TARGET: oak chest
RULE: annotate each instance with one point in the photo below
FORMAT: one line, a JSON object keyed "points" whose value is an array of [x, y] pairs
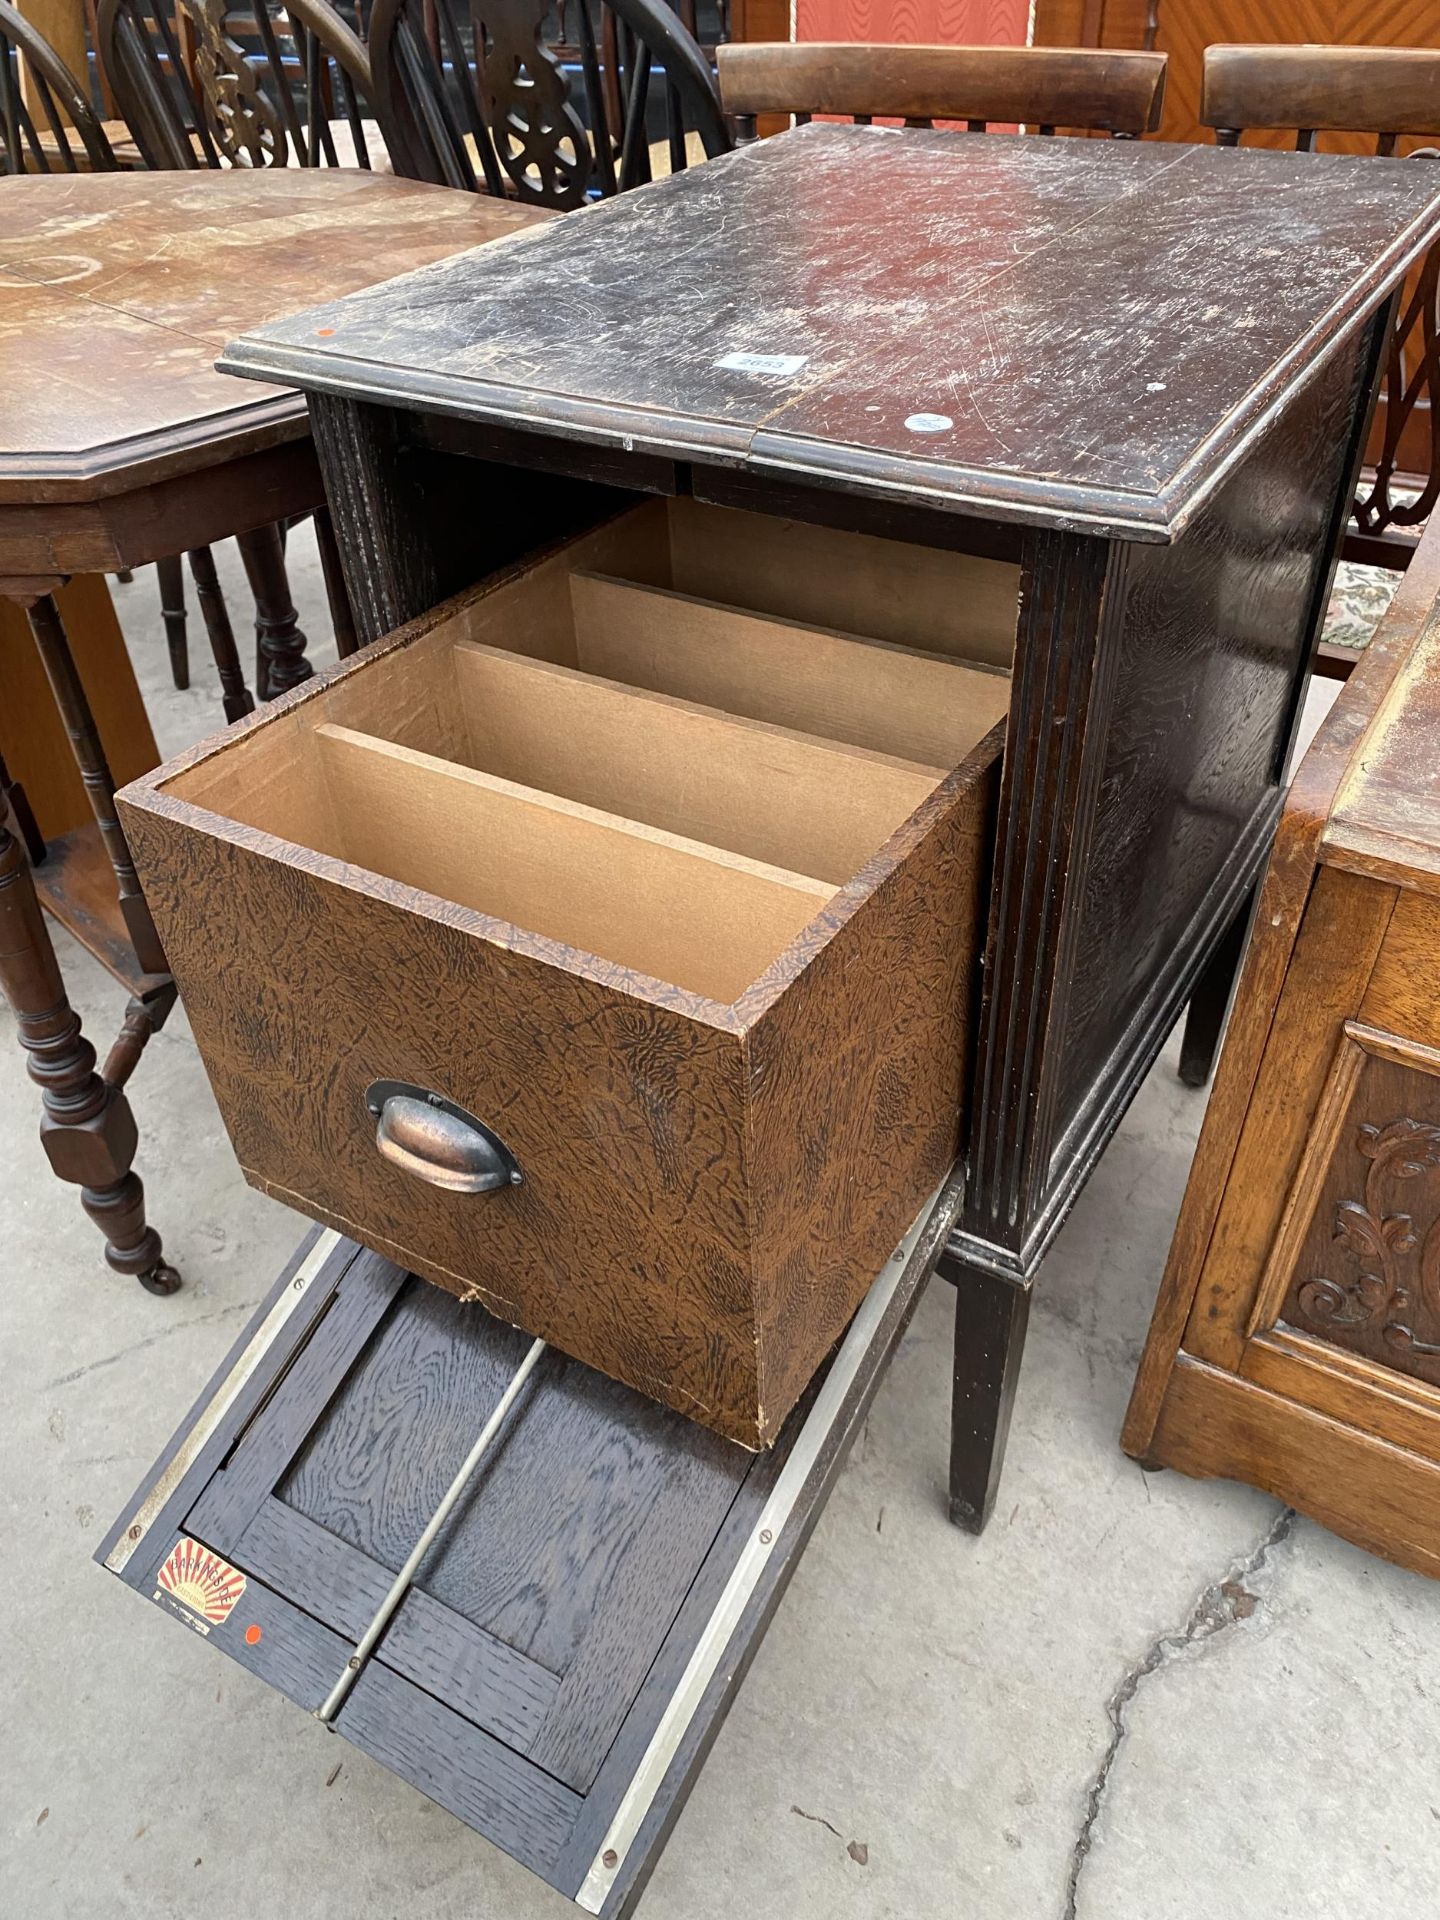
{"points": [[1296, 1341]]}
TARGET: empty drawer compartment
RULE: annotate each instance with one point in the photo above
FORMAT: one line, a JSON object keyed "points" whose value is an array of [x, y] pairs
{"points": [[602, 950]]}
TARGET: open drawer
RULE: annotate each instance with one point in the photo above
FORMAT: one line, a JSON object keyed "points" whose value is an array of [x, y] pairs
{"points": [[603, 945], [572, 1639]]}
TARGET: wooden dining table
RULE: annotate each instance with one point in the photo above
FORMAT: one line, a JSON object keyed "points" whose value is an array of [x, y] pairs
{"points": [[120, 445]]}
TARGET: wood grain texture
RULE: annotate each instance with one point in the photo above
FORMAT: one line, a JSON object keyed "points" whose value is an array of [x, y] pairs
{"points": [[612, 1526], [204, 502], [919, 588], [662, 1135], [165, 1480], [298, 1655], [1187, 31], [573, 1574], [1385, 813], [1059, 715], [1295, 1342], [1349, 734], [1372, 1398], [1161, 353], [632, 1871], [1331, 88], [478, 1675], [1339, 940], [1221, 623], [1364, 1273], [235, 1493], [1398, 998], [858, 1076], [474, 1776], [147, 275], [1380, 1496], [1080, 87], [542, 1603]]}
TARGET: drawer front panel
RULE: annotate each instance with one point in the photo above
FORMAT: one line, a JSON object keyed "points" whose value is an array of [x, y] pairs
{"points": [[625, 1117], [636, 1241]]}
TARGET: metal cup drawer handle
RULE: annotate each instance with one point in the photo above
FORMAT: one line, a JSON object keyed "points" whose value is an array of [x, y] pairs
{"points": [[426, 1135]]}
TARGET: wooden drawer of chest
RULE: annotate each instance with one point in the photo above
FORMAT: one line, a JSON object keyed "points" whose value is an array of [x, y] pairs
{"points": [[603, 945]]}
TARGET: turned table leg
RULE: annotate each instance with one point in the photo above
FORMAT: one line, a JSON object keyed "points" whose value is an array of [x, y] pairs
{"points": [[88, 1131], [237, 698], [74, 708], [281, 643]]}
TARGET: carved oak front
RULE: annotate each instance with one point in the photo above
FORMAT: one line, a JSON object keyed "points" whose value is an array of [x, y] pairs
{"points": [[1367, 1274]]}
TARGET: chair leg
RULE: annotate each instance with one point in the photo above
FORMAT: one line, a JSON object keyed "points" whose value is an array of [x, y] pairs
{"points": [[991, 1315], [237, 698], [280, 658], [88, 1131], [171, 575], [1210, 1001], [74, 708]]}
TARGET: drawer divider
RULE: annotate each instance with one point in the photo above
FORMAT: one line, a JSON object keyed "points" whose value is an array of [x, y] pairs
{"points": [[925, 707], [691, 915], [787, 798]]}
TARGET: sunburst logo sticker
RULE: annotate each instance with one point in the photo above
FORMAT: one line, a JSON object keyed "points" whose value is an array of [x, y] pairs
{"points": [[202, 1581]]}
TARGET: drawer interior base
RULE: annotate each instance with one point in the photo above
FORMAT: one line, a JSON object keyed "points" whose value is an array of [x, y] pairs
{"points": [[575, 1633]]}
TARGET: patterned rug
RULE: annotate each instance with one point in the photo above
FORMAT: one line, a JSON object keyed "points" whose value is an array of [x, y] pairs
{"points": [[1358, 603]]}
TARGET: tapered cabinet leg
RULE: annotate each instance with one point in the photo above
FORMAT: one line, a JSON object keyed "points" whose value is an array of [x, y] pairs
{"points": [[281, 644], [73, 705], [171, 574], [236, 696], [88, 1130], [342, 616], [1210, 1002], [991, 1315]]}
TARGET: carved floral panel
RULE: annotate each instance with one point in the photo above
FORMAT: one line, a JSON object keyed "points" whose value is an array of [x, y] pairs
{"points": [[1367, 1276]]}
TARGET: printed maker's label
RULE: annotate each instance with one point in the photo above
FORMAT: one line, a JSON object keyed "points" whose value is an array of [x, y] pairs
{"points": [[201, 1581]]}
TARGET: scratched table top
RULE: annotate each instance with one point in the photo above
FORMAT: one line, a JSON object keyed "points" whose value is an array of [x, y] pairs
{"points": [[117, 291], [1060, 331]]}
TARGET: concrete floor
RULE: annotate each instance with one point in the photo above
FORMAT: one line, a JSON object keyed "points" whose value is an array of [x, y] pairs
{"points": [[1065, 1718]]}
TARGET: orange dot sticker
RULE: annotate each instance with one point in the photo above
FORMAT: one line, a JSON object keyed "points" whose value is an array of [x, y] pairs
{"points": [[252, 1635], [323, 333]]}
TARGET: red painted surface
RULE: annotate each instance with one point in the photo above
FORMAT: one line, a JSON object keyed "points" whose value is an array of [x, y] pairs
{"points": [[953, 23]]}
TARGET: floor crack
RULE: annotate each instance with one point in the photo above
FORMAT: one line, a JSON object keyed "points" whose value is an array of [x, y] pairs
{"points": [[1218, 1607]]}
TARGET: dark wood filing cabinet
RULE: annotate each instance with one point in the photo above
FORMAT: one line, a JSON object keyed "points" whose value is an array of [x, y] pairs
{"points": [[840, 619]]}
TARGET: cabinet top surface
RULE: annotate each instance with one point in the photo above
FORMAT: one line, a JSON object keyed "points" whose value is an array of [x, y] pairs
{"points": [[1059, 331]]}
